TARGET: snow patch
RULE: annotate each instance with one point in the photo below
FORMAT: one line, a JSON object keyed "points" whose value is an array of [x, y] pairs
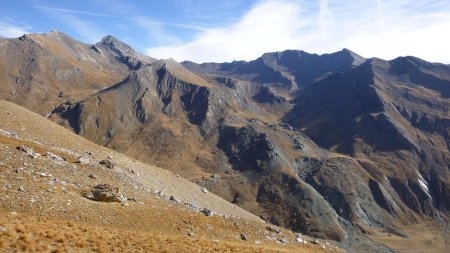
{"points": [[424, 185]]}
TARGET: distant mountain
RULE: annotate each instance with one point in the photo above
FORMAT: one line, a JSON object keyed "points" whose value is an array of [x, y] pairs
{"points": [[44, 70], [289, 69], [333, 145]]}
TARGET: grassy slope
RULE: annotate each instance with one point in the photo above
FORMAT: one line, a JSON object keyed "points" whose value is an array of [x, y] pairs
{"points": [[52, 215]]}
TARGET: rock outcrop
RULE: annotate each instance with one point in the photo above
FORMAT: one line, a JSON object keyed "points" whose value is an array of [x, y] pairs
{"points": [[106, 193]]}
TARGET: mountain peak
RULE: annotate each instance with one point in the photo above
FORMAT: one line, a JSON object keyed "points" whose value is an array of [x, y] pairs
{"points": [[115, 44], [55, 32], [357, 59], [111, 40], [52, 34], [123, 52]]}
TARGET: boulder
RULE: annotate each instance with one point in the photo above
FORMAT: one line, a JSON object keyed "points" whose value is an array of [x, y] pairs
{"points": [[28, 151], [108, 163], [83, 160], [53, 156], [106, 193]]}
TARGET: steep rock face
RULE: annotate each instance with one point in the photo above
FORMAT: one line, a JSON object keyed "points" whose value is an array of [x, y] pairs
{"points": [[320, 106], [249, 150]]}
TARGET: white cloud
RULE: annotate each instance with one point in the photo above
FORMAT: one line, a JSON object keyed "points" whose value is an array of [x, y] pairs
{"points": [[408, 27], [8, 29], [268, 26]]}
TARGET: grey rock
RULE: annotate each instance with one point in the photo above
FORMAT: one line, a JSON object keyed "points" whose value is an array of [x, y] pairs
{"points": [[273, 229], [207, 212], [106, 193], [284, 240], [9, 133], [83, 160], [28, 151], [300, 240], [108, 163], [244, 237], [53, 156], [216, 176], [314, 241], [174, 199]]}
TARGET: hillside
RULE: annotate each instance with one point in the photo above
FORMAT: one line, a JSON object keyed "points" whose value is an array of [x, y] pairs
{"points": [[43, 208]]}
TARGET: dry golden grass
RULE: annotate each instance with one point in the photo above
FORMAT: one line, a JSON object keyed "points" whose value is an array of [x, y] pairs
{"points": [[12, 142], [37, 234]]}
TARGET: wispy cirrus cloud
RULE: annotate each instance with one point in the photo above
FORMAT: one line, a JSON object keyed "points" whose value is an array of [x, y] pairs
{"points": [[152, 30], [88, 30], [138, 18], [381, 28]]}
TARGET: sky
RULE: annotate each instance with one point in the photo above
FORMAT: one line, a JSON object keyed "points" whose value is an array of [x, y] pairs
{"points": [[227, 30]]}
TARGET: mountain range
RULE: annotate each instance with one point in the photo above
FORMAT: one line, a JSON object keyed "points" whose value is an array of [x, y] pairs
{"points": [[335, 146]]}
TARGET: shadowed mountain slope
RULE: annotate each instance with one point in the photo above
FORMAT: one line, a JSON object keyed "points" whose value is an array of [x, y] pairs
{"points": [[393, 113], [288, 69]]}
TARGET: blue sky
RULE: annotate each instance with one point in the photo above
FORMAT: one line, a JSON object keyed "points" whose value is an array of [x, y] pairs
{"points": [[209, 30]]}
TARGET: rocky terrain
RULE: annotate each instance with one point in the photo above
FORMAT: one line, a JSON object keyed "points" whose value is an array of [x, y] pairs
{"points": [[334, 146], [61, 192]]}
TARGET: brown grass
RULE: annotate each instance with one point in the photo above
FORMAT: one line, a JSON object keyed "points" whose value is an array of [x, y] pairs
{"points": [[33, 234], [36, 147], [423, 237]]}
